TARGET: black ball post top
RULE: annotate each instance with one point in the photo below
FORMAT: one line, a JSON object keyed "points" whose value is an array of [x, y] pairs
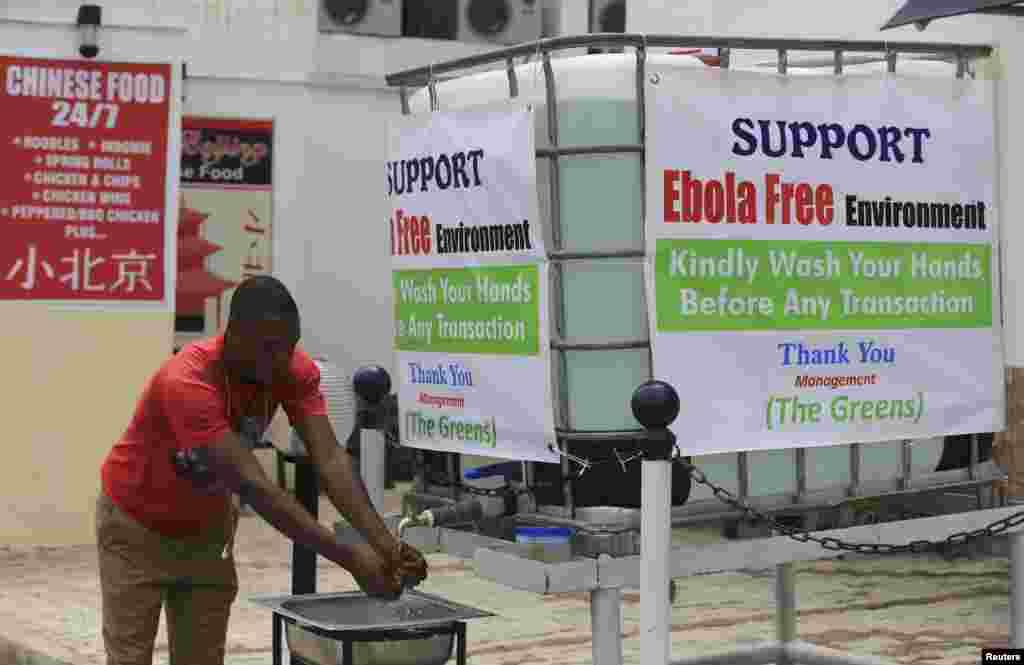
{"points": [[656, 405], [372, 383]]}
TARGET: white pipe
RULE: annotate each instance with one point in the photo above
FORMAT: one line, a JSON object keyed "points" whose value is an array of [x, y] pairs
{"points": [[810, 654], [785, 609], [373, 466], [606, 626], [655, 544], [763, 654], [785, 603]]}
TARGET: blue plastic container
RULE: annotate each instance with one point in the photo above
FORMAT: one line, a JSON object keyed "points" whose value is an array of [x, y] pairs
{"points": [[507, 470], [549, 544], [543, 535]]}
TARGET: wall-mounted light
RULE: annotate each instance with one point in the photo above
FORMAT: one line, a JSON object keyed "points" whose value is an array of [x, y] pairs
{"points": [[89, 19]]}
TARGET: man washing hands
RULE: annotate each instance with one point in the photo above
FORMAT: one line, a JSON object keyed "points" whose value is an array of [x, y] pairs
{"points": [[165, 520]]}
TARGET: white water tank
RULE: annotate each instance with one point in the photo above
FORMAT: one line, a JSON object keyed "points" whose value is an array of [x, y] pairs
{"points": [[600, 209]]}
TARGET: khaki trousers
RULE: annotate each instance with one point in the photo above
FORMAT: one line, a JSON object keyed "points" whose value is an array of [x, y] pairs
{"points": [[142, 572]]}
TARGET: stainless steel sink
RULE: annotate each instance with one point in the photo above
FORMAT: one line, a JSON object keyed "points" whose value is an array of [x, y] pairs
{"points": [[346, 616], [355, 611]]}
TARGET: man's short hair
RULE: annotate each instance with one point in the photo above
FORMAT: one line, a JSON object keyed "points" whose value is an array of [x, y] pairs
{"points": [[263, 297]]}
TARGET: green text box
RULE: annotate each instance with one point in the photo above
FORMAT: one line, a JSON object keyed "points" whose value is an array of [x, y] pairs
{"points": [[825, 285], [486, 310]]}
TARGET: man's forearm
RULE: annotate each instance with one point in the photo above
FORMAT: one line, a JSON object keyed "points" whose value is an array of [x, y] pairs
{"points": [[287, 515], [347, 492], [239, 469]]}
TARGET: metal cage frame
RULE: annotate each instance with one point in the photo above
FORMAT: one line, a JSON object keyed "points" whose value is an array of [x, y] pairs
{"points": [[409, 81]]}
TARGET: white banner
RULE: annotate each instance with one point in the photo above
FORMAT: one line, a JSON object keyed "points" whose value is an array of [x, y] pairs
{"points": [[822, 258], [470, 285]]}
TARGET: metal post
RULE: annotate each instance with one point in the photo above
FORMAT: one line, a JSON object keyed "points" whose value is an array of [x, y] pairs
{"points": [[906, 463], [972, 466], [432, 92], [743, 474], [655, 405], [373, 466], [785, 603], [513, 82], [460, 648], [275, 640], [403, 96], [855, 455], [641, 115], [372, 384], [606, 626], [1017, 590], [655, 546], [307, 491], [801, 475], [421, 471], [454, 475], [554, 181]]}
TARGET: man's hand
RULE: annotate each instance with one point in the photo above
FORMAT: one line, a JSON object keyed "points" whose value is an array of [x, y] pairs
{"points": [[374, 574], [410, 564]]}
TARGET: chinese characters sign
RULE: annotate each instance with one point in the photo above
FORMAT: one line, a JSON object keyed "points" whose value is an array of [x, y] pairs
{"points": [[84, 190]]}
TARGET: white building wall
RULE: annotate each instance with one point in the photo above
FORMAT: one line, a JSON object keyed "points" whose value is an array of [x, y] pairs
{"points": [[327, 95], [265, 58]]}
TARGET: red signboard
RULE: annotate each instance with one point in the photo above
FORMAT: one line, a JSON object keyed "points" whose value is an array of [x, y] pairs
{"points": [[83, 188]]}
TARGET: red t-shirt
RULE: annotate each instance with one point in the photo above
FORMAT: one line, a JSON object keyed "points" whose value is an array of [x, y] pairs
{"points": [[185, 405]]}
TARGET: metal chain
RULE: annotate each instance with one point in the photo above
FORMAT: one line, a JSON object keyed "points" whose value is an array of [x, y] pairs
{"points": [[946, 546]]}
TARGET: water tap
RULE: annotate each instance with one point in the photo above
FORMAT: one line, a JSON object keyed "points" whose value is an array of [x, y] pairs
{"points": [[467, 510], [426, 518]]}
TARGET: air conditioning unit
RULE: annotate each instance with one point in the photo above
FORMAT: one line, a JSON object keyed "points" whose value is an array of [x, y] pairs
{"points": [[607, 16], [431, 19], [381, 18], [499, 21]]}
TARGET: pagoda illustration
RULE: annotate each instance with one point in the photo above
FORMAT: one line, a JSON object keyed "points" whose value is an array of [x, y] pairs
{"points": [[252, 264], [195, 282]]}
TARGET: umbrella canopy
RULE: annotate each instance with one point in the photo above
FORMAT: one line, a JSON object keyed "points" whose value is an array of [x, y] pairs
{"points": [[922, 11]]}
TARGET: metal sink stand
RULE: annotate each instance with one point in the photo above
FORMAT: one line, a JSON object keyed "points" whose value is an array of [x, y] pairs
{"points": [[348, 638], [371, 385], [307, 492]]}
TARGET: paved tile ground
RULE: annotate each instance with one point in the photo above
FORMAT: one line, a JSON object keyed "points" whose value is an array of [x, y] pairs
{"points": [[910, 610]]}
